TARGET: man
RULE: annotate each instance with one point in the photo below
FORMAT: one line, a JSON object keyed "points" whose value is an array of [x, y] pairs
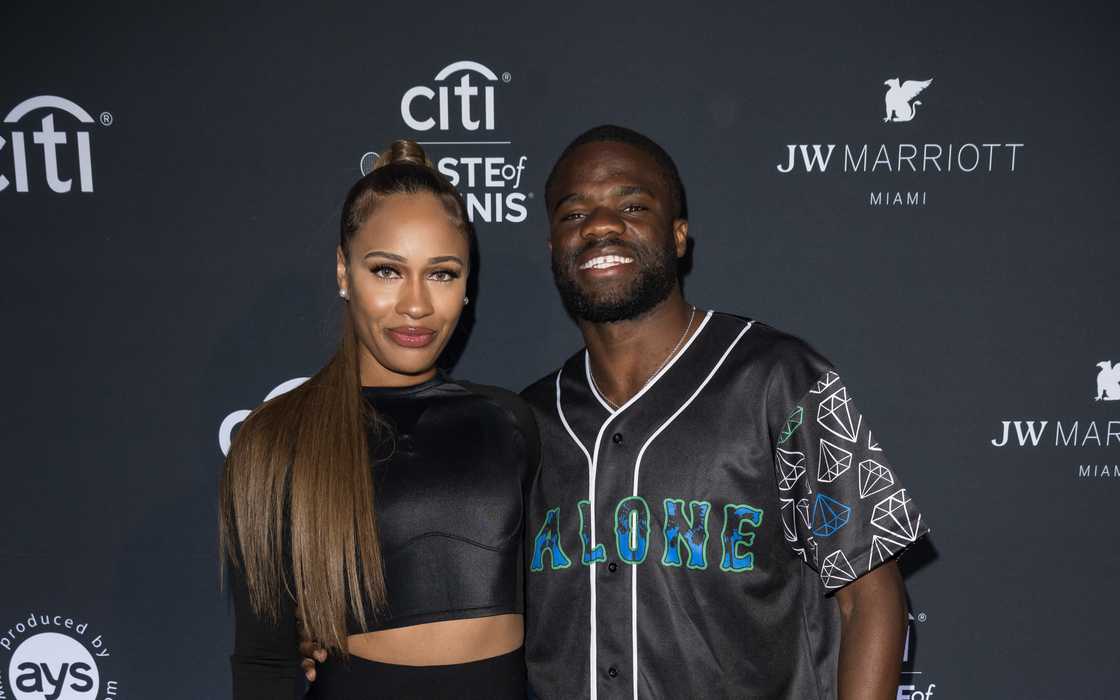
{"points": [[693, 464]]}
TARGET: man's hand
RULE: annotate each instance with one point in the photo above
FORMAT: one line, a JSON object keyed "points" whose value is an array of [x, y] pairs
{"points": [[311, 653]]}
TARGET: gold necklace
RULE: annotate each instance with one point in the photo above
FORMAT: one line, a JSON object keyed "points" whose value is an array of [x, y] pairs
{"points": [[687, 327]]}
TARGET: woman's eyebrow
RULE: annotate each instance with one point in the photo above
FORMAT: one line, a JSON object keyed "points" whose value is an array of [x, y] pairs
{"points": [[383, 254]]}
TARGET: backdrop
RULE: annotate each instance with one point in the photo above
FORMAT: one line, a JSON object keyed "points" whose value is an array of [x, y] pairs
{"points": [[170, 180]]}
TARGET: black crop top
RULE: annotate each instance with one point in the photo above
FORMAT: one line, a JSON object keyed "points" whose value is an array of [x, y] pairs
{"points": [[449, 485]]}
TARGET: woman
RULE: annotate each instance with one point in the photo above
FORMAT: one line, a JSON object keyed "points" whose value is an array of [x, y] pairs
{"points": [[381, 499]]}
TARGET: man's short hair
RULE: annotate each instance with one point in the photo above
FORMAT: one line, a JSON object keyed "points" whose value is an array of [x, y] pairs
{"points": [[612, 133]]}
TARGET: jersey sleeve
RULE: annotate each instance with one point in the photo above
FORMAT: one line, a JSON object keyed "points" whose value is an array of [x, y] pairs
{"points": [[265, 661], [844, 510]]}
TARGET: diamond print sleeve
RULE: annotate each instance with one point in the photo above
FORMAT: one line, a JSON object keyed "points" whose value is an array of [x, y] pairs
{"points": [[843, 509]]}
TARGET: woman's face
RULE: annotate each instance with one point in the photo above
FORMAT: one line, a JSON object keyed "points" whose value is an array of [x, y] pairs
{"points": [[406, 281]]}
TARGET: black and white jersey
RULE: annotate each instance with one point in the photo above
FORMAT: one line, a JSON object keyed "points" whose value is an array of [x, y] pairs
{"points": [[684, 545]]}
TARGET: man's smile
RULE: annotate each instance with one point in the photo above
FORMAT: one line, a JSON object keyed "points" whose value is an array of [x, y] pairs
{"points": [[605, 262]]}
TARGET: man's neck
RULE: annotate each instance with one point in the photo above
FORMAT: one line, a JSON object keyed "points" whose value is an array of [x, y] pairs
{"points": [[626, 354]]}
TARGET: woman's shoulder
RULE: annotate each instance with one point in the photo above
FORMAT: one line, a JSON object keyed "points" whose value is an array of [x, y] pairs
{"points": [[518, 411], [501, 398]]}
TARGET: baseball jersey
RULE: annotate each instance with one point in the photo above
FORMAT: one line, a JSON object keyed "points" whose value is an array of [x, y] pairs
{"points": [[685, 544]]}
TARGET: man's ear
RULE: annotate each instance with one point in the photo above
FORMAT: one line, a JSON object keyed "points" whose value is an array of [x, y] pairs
{"points": [[680, 236], [340, 271]]}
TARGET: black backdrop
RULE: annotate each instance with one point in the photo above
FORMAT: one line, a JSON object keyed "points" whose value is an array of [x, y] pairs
{"points": [[188, 271]]}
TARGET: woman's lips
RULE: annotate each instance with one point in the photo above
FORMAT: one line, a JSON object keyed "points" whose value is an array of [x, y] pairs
{"points": [[411, 336]]}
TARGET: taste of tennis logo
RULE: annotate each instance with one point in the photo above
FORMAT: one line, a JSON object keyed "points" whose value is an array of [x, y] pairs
{"points": [[911, 685], [54, 657], [893, 163], [456, 120]]}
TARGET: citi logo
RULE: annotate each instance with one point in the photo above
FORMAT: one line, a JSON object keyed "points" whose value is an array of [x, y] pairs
{"points": [[51, 142], [471, 105], [901, 105]]}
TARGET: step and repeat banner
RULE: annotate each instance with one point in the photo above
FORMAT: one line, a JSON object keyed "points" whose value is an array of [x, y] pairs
{"points": [[925, 193]]}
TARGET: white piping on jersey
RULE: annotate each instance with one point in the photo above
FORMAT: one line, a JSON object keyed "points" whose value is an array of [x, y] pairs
{"points": [[637, 468], [591, 491], [591, 384], [592, 465]]}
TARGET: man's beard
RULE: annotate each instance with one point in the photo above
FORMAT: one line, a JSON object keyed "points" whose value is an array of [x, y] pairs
{"points": [[654, 282]]}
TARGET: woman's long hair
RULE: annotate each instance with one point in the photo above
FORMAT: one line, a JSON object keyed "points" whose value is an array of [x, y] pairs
{"points": [[298, 483]]}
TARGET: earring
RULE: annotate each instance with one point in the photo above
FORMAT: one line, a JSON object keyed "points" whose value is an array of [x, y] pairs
{"points": [[342, 293], [466, 300]]}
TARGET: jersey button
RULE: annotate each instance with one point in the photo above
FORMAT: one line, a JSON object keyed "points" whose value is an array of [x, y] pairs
{"points": [[617, 438], [612, 567], [612, 672]]}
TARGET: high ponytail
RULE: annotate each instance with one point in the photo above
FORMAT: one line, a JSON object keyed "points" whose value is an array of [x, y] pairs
{"points": [[298, 486], [403, 151], [402, 168]]}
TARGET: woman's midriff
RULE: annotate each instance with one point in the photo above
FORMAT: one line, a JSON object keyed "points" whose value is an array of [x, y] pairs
{"points": [[440, 643]]}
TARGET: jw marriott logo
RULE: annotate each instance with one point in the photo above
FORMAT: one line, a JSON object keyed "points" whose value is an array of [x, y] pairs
{"points": [[901, 160], [1065, 433]]}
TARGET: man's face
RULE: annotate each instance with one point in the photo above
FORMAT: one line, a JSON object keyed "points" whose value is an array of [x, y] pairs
{"points": [[614, 237]]}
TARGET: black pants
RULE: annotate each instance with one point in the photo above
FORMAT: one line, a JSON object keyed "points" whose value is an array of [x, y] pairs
{"points": [[498, 678]]}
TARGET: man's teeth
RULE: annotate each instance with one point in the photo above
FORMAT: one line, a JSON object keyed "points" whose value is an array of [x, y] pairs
{"points": [[604, 261]]}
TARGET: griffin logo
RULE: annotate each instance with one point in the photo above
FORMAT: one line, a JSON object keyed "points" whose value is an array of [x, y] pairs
{"points": [[901, 105], [1108, 381]]}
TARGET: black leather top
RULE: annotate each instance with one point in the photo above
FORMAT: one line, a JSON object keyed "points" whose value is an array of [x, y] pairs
{"points": [[450, 487]]}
